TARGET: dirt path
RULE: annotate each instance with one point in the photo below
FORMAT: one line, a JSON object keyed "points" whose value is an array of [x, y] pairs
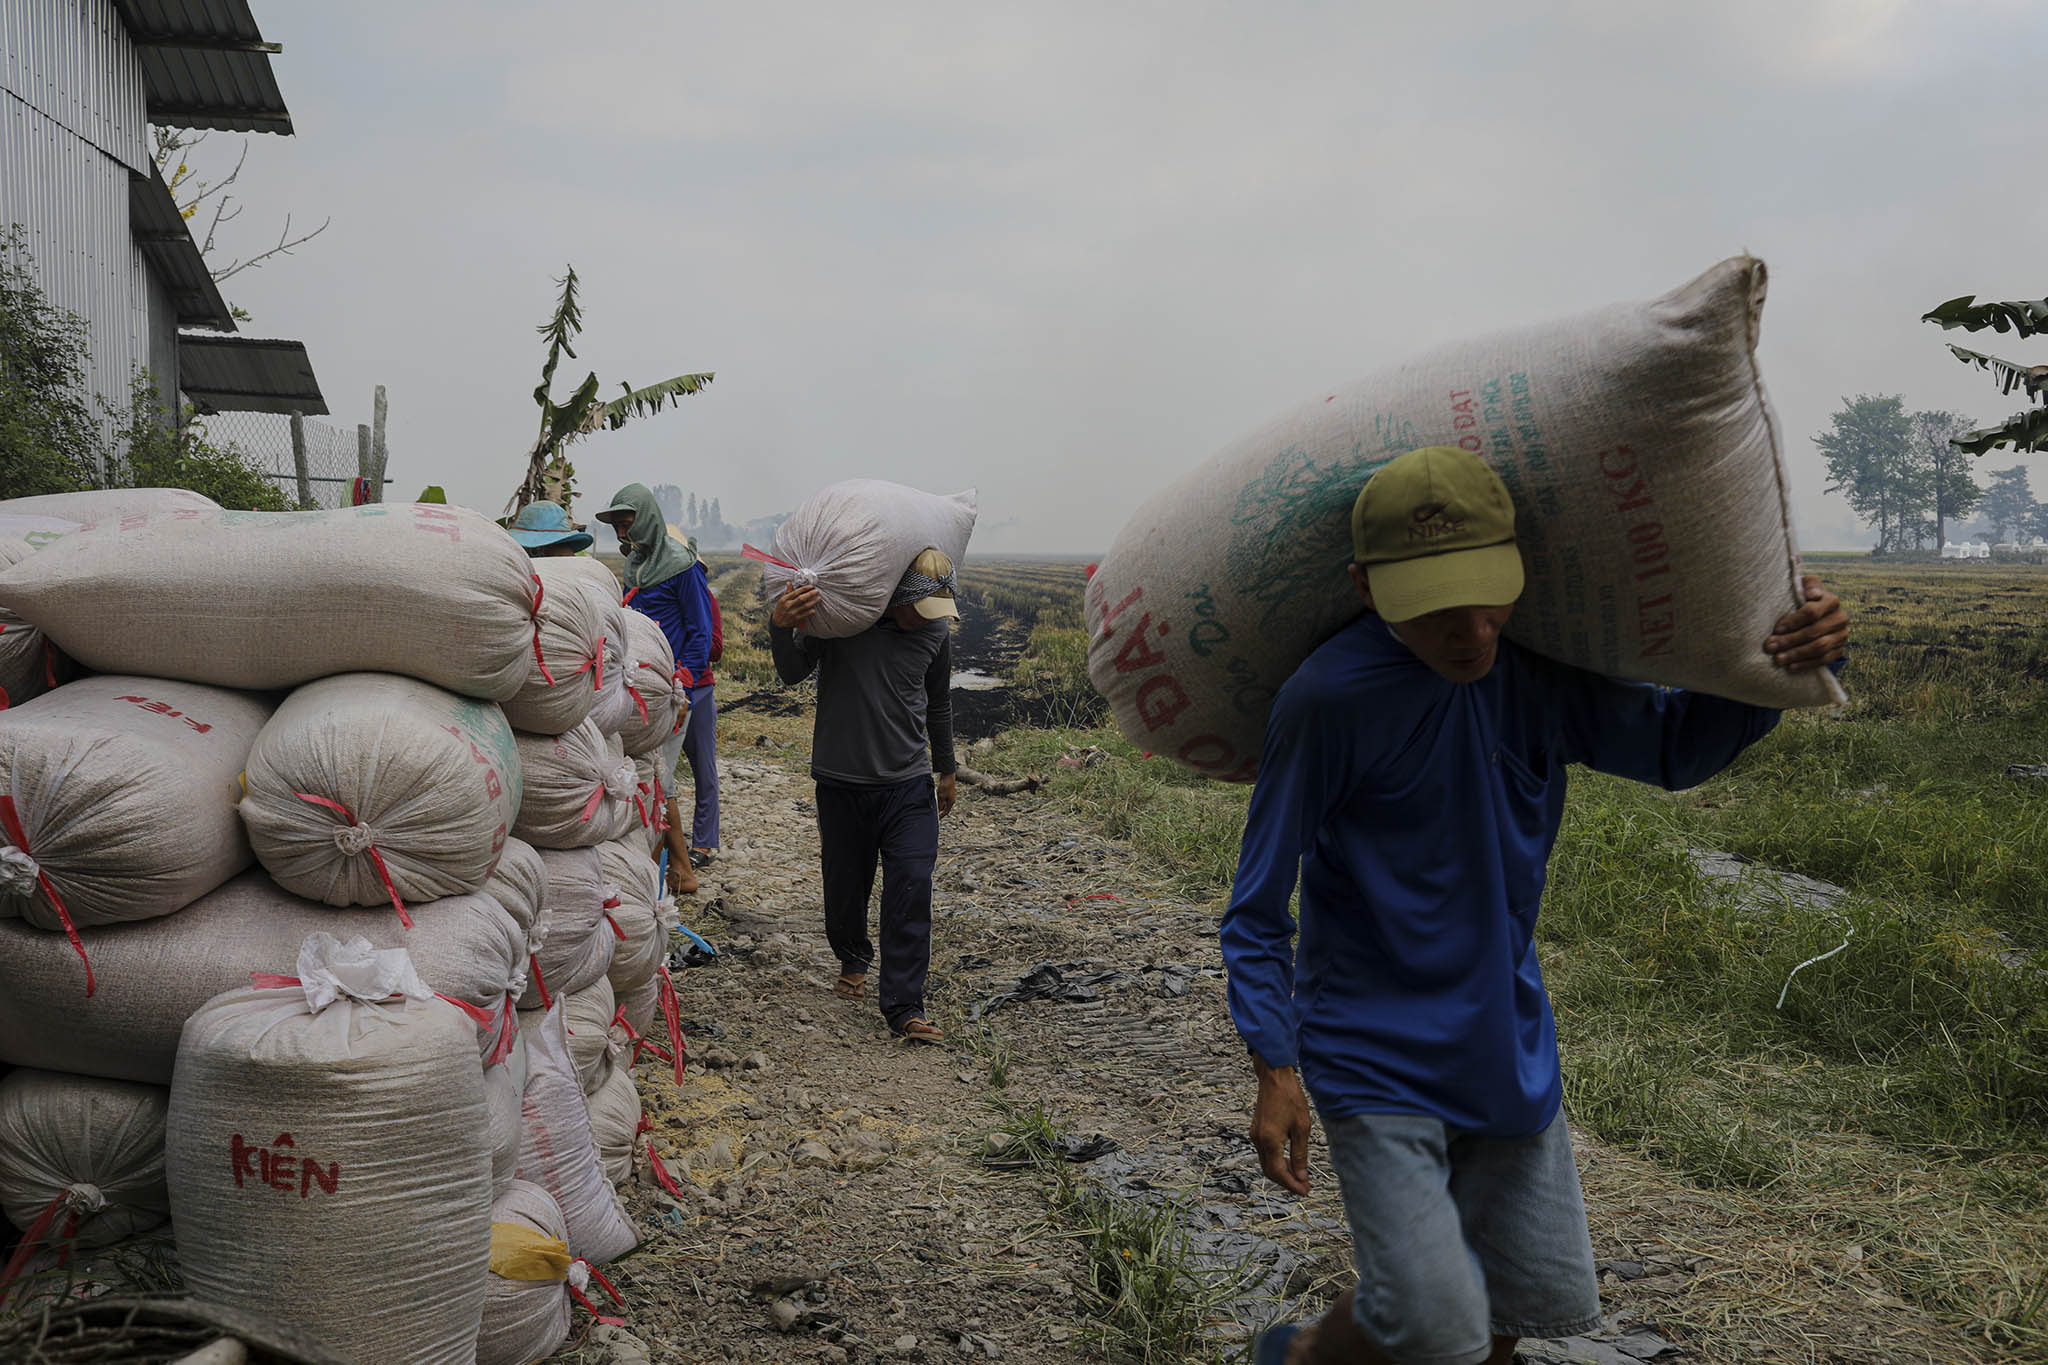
{"points": [[836, 1181]]}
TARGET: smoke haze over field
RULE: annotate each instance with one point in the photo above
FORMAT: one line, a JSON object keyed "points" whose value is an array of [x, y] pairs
{"points": [[1062, 251]]}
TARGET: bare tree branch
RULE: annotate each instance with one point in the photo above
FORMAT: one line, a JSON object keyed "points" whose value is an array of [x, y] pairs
{"points": [[285, 243]]}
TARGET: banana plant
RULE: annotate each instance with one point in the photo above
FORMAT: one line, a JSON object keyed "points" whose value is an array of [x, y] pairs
{"points": [[2025, 431], [549, 474]]}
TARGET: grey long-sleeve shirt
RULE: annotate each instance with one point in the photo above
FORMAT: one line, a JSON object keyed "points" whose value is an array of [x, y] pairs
{"points": [[882, 695]]}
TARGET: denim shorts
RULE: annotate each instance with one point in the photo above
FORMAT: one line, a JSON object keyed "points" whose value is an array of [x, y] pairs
{"points": [[1461, 1239]]}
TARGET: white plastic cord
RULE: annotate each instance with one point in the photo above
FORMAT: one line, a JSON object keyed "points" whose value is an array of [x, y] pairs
{"points": [[1848, 932]]}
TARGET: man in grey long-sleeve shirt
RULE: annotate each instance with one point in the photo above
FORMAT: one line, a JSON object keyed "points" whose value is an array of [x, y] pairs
{"points": [[883, 695]]}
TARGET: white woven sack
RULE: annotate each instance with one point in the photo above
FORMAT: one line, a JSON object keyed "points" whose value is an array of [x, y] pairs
{"points": [[95, 505], [1650, 501], [579, 943], [638, 954], [275, 599], [154, 973], [329, 1157], [123, 790], [369, 786], [641, 1004], [651, 815], [615, 1122], [613, 707], [84, 1156], [587, 1015], [569, 626], [575, 793], [855, 540], [658, 702], [519, 884], [592, 571], [504, 1086], [29, 664], [557, 1154], [525, 1319]]}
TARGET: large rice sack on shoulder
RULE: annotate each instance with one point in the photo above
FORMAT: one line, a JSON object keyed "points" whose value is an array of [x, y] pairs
{"points": [[557, 1154], [577, 948], [81, 1158], [29, 664], [575, 792], [153, 974], [855, 540], [371, 788], [117, 798], [526, 1308], [275, 599], [569, 629], [615, 1122], [519, 884], [1651, 507], [657, 701], [92, 506], [329, 1156]]}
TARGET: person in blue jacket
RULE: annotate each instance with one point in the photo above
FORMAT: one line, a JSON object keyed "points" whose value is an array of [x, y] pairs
{"points": [[665, 581], [1414, 773]]}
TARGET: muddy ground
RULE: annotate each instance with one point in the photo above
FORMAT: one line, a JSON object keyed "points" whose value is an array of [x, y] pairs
{"points": [[838, 1200]]}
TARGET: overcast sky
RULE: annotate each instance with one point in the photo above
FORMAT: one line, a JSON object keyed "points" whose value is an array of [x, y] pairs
{"points": [[1062, 252]]}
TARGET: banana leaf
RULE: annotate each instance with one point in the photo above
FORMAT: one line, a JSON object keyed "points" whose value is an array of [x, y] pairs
{"points": [[2023, 318]]}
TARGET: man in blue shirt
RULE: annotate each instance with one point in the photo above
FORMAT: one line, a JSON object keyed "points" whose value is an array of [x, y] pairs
{"points": [[1414, 773]]}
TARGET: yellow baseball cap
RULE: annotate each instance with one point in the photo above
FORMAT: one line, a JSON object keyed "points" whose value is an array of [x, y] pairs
{"points": [[1433, 529], [929, 586]]}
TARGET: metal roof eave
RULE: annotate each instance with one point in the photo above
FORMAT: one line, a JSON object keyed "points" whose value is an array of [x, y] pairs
{"points": [[247, 374], [205, 65], [161, 234]]}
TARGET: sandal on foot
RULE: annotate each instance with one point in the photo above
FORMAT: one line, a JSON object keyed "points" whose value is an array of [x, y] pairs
{"points": [[851, 986], [700, 857], [919, 1029]]}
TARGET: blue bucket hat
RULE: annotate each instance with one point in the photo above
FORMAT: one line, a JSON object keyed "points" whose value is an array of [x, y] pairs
{"points": [[541, 524]]}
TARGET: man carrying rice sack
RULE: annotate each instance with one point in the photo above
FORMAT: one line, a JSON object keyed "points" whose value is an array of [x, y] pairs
{"points": [[882, 695], [1414, 772], [665, 581]]}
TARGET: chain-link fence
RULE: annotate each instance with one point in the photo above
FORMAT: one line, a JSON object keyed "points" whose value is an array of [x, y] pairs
{"points": [[334, 455]]}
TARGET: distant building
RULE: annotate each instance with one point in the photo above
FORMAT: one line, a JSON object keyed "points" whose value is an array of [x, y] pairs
{"points": [[84, 80], [1972, 549]]}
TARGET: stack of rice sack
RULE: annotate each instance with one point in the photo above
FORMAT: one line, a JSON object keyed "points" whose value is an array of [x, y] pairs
{"points": [[320, 693]]}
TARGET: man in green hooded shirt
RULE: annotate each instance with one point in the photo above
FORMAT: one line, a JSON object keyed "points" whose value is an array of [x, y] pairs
{"points": [[665, 581]]}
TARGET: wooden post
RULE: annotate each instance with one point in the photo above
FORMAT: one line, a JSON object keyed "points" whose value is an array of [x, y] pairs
{"points": [[378, 451], [299, 465]]}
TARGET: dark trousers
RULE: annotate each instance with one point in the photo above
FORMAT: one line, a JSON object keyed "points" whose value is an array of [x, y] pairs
{"points": [[899, 823]]}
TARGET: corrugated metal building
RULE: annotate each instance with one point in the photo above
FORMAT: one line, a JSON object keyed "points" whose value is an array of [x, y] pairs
{"points": [[80, 83]]}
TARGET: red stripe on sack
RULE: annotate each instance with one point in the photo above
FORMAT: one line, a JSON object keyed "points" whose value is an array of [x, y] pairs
{"points": [[675, 1027], [751, 553], [640, 702], [533, 960], [540, 591], [627, 600], [271, 981], [615, 925], [480, 1016], [661, 1175], [590, 806], [640, 1042], [376, 856], [508, 1035], [10, 823], [641, 806], [38, 1232]]}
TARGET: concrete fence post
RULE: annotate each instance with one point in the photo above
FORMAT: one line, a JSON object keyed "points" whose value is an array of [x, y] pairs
{"points": [[299, 463]]}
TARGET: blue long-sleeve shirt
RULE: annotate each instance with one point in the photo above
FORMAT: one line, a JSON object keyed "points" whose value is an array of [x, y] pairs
{"points": [[681, 606], [1421, 814]]}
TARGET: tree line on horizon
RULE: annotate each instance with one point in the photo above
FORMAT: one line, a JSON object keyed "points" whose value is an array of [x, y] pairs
{"points": [[1908, 476]]}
